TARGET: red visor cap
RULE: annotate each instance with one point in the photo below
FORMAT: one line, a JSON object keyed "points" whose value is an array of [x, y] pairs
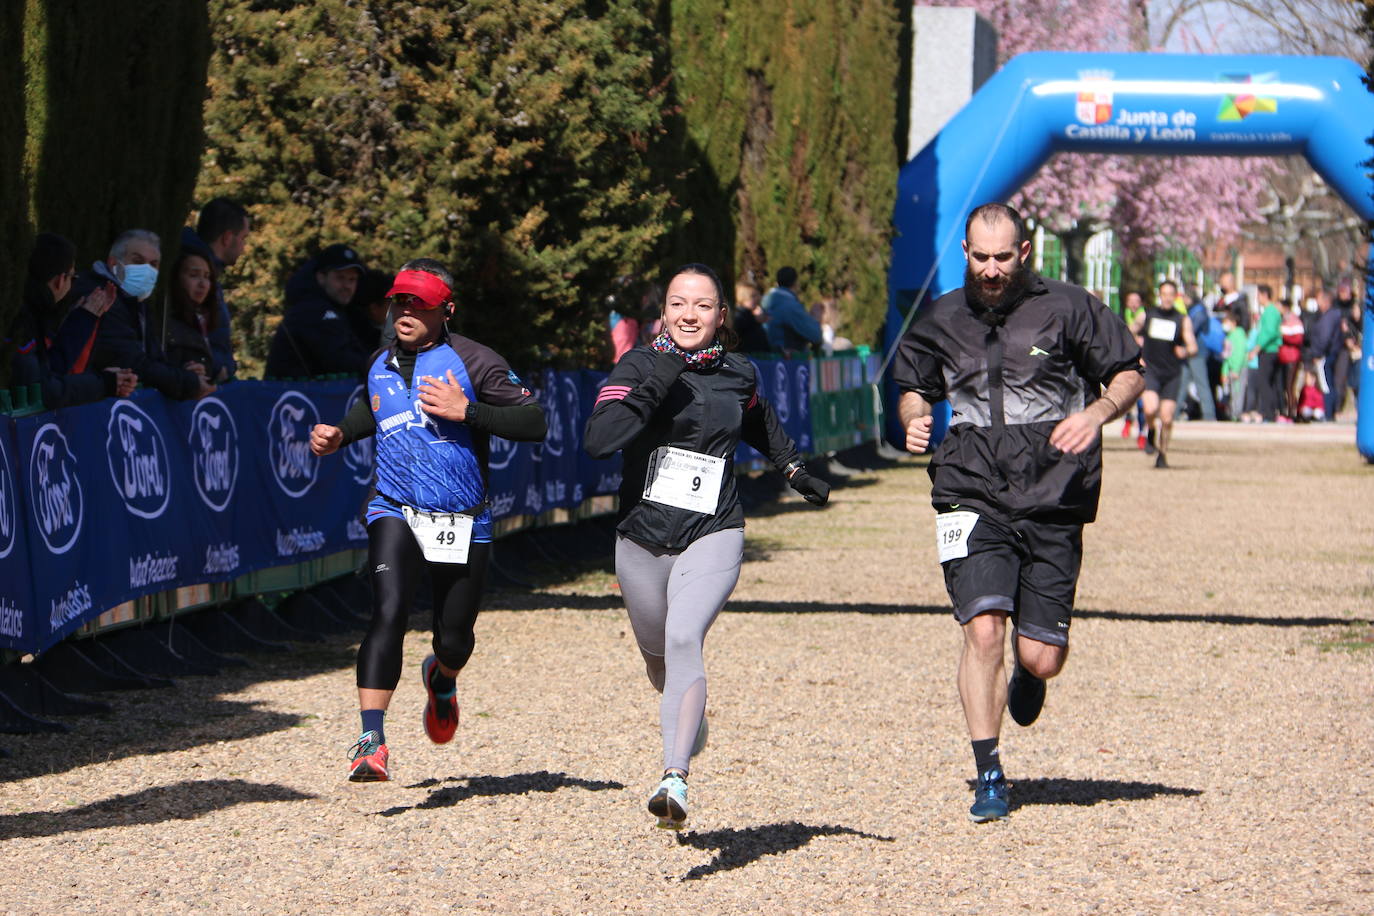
{"points": [[428, 288]]}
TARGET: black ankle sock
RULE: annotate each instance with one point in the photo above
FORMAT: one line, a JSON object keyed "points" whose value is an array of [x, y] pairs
{"points": [[374, 721], [442, 686], [985, 755]]}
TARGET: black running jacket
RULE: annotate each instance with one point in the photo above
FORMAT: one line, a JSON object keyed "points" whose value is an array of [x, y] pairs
{"points": [[1008, 387], [650, 401]]}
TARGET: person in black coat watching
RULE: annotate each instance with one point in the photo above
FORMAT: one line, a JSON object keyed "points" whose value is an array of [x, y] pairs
{"points": [[56, 355], [127, 336], [316, 335]]}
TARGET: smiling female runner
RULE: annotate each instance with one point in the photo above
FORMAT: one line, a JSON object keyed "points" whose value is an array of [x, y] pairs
{"points": [[678, 409]]}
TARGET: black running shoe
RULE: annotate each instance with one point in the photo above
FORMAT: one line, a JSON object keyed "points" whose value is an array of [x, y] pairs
{"points": [[1150, 442], [1025, 696], [1160, 462]]}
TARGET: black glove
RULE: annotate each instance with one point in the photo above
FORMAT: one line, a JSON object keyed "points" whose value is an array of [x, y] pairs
{"points": [[813, 489]]}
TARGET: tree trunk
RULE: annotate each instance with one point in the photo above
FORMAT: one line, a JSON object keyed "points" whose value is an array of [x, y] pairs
{"points": [[1137, 277], [1075, 254]]}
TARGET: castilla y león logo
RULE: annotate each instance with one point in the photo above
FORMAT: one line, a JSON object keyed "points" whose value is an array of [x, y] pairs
{"points": [[1094, 104], [294, 467], [1239, 105]]}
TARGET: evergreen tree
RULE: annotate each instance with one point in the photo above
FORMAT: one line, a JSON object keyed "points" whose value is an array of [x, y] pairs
{"points": [[513, 142], [14, 203], [791, 105], [107, 134]]}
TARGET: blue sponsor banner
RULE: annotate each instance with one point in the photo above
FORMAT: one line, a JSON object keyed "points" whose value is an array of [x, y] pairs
{"points": [[129, 497], [16, 582], [106, 502], [786, 384]]}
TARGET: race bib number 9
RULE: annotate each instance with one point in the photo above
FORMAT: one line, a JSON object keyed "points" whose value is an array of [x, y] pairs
{"points": [[1161, 329], [952, 530], [687, 480], [444, 537]]}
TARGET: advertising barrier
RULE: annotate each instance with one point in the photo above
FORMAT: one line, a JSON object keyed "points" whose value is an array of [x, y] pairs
{"points": [[108, 502]]}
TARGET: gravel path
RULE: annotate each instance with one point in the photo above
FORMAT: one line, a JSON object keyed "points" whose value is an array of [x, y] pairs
{"points": [[1205, 751]]}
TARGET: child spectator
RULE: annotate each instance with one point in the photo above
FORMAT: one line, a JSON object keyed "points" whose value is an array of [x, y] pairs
{"points": [[1311, 403], [1233, 365]]}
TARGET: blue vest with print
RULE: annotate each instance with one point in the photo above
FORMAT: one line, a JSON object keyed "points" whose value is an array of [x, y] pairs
{"points": [[422, 460]]}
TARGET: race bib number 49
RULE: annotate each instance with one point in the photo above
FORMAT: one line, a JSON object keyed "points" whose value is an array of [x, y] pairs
{"points": [[952, 530], [444, 537], [687, 480]]}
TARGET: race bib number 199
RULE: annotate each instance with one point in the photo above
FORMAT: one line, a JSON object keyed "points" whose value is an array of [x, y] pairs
{"points": [[687, 480], [952, 530], [444, 537]]}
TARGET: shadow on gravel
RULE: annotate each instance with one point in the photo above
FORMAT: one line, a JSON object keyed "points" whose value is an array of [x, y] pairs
{"points": [[144, 723], [487, 786], [740, 847], [1230, 620], [182, 801], [529, 601], [1085, 792], [512, 600]]}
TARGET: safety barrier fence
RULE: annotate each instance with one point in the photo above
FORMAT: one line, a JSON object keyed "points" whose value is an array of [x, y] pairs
{"points": [[135, 510]]}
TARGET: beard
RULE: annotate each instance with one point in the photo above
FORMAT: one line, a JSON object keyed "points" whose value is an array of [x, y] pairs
{"points": [[993, 303]]}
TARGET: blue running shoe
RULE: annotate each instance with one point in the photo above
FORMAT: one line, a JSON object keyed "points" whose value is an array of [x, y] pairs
{"points": [[669, 802], [990, 798]]}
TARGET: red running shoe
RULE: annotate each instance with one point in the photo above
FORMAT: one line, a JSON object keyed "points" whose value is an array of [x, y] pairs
{"points": [[367, 759], [441, 715], [1126, 430], [1140, 443]]}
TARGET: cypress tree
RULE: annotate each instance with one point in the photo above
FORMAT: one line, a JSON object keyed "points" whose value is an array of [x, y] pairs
{"points": [[106, 127], [14, 223], [792, 105], [114, 117], [514, 142]]}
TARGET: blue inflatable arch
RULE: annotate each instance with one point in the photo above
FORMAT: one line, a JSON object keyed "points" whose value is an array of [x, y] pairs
{"points": [[1142, 104]]}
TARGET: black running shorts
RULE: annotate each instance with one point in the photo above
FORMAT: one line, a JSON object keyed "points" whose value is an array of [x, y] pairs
{"points": [[1162, 384], [1028, 568]]}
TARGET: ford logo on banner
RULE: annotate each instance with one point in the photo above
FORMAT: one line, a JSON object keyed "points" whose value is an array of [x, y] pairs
{"points": [[358, 457], [138, 460], [9, 506], [502, 451], [288, 443], [781, 405], [57, 501], [214, 441]]}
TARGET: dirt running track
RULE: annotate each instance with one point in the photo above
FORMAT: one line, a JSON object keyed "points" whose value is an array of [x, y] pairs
{"points": [[1207, 749]]}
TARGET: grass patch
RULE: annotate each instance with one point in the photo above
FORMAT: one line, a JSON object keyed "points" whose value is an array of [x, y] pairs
{"points": [[1359, 637]]}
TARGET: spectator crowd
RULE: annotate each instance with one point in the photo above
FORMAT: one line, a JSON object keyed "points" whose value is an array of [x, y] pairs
{"points": [[82, 335], [1260, 359]]}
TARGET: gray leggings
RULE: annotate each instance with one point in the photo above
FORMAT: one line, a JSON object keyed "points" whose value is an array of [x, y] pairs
{"points": [[673, 597]]}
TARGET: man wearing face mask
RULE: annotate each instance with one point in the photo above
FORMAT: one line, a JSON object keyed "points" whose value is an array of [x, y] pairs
{"points": [[127, 338]]}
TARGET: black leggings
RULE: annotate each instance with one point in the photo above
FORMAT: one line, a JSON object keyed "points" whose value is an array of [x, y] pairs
{"points": [[396, 562]]}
